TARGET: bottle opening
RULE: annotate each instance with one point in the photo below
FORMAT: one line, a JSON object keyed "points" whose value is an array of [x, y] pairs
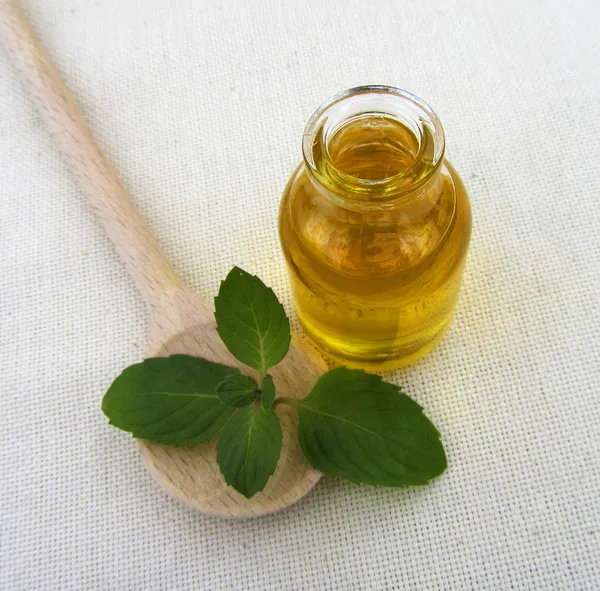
{"points": [[373, 143], [372, 147]]}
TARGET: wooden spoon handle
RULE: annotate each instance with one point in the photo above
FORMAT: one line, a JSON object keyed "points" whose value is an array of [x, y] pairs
{"points": [[137, 247]]}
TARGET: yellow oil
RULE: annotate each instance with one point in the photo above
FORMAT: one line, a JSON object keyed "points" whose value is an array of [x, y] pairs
{"points": [[375, 235]]}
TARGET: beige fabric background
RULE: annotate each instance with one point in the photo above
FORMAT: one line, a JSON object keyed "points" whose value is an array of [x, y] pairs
{"points": [[201, 106]]}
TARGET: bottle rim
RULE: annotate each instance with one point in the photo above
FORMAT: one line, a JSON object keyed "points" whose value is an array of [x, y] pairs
{"points": [[394, 102]]}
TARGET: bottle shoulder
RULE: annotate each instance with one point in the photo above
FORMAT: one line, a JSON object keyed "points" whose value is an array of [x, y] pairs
{"points": [[377, 241]]}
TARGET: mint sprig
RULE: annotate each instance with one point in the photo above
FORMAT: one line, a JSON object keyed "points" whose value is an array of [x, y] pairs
{"points": [[352, 424]]}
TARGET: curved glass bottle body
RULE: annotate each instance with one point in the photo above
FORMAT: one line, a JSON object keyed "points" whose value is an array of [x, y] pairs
{"points": [[375, 228]]}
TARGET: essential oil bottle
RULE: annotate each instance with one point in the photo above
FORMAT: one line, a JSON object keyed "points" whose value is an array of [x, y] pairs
{"points": [[375, 227]]}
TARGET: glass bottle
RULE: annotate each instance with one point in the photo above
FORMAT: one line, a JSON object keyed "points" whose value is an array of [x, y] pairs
{"points": [[375, 227]]}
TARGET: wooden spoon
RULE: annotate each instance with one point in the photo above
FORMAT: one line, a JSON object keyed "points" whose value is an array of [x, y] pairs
{"points": [[181, 321]]}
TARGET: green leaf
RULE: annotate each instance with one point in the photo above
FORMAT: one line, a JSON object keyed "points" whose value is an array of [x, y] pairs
{"points": [[248, 448], [356, 426], [238, 390], [268, 391], [251, 321], [171, 400]]}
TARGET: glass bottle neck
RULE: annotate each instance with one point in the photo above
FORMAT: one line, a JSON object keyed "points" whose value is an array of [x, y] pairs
{"points": [[373, 147]]}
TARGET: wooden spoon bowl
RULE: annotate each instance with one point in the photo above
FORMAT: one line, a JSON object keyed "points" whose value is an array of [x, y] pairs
{"points": [[181, 322], [192, 473]]}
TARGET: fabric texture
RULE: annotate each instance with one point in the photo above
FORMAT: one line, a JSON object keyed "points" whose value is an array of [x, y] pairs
{"points": [[201, 106]]}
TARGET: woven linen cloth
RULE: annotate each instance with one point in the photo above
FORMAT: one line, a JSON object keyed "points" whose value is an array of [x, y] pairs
{"points": [[201, 107]]}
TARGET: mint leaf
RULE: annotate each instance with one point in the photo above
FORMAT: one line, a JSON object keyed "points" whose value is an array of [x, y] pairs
{"points": [[356, 426], [251, 321], [238, 390], [171, 400], [268, 391], [248, 448]]}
